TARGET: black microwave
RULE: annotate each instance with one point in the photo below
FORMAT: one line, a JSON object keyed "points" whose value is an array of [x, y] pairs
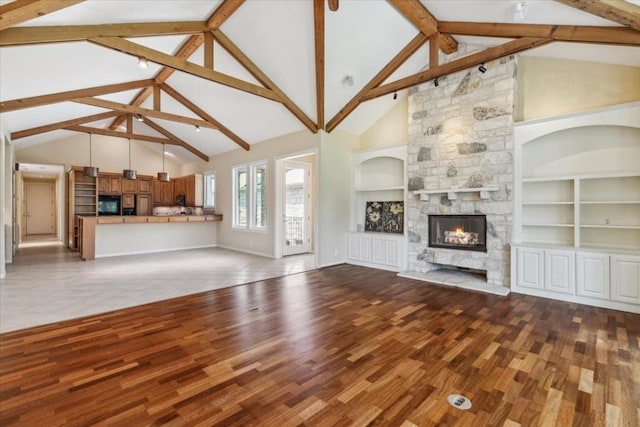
{"points": [[109, 205]]}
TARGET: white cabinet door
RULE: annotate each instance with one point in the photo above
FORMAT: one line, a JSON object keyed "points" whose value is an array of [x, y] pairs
{"points": [[560, 268], [392, 252], [364, 242], [377, 249], [353, 245], [625, 278], [530, 268], [592, 279]]}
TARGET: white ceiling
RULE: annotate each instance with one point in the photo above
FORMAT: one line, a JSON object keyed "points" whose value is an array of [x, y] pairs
{"points": [[278, 36]]}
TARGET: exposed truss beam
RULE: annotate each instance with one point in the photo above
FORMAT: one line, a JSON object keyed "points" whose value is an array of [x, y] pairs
{"points": [[388, 69], [36, 101], [108, 132], [184, 51], [217, 18], [472, 60], [318, 21], [256, 72], [223, 12], [153, 125], [130, 109], [19, 11], [622, 12], [69, 33], [424, 21], [564, 33], [203, 114], [60, 125], [135, 49]]}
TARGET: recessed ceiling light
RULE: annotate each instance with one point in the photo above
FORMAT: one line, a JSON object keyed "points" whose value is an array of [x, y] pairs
{"points": [[143, 62]]}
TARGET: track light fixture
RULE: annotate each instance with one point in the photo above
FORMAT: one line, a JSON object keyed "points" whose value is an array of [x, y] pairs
{"points": [[435, 82], [395, 95], [139, 117], [197, 128], [143, 62], [482, 68]]}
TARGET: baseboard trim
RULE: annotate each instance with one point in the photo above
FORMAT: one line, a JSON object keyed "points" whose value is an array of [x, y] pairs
{"points": [[155, 251], [231, 248]]}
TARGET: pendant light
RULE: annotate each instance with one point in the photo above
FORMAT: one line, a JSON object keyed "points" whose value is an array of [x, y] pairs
{"points": [[90, 171], [163, 176], [129, 173]]}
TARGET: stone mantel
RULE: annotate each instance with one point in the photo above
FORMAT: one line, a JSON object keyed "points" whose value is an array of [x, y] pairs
{"points": [[452, 192]]}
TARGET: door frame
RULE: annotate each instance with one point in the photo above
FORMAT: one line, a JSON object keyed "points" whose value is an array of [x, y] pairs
{"points": [[308, 205], [279, 208], [49, 183]]}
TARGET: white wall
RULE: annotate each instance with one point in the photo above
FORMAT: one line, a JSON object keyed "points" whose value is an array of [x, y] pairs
{"points": [[110, 154], [6, 174], [334, 195]]}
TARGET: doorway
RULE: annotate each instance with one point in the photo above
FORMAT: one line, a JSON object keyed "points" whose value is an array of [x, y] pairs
{"points": [[296, 212], [40, 208]]}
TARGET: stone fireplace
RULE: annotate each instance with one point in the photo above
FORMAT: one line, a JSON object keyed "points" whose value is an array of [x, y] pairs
{"points": [[461, 139]]}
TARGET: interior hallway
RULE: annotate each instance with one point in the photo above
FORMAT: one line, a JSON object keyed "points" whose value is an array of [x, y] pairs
{"points": [[48, 283]]}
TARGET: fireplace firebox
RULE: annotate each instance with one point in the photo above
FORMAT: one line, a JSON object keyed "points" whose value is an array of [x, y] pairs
{"points": [[465, 232]]}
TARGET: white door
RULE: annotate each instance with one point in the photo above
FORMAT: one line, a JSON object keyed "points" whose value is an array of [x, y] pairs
{"points": [[296, 219], [40, 207]]}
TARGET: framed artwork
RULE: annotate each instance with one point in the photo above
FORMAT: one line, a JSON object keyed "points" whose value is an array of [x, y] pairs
{"points": [[386, 217]]}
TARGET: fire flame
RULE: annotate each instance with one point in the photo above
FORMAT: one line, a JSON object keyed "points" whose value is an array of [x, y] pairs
{"points": [[459, 231]]}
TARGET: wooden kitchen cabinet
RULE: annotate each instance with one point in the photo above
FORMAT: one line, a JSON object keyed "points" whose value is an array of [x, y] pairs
{"points": [[179, 186], [163, 193], [143, 205], [128, 200], [190, 190], [144, 185], [109, 184], [129, 185]]}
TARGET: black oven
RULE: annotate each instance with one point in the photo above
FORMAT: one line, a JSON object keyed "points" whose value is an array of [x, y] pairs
{"points": [[109, 205]]}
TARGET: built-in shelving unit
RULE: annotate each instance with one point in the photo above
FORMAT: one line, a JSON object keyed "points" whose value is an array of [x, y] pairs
{"points": [[378, 175], [577, 208], [82, 201]]}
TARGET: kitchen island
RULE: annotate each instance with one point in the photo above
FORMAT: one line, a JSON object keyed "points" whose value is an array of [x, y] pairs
{"points": [[105, 236]]}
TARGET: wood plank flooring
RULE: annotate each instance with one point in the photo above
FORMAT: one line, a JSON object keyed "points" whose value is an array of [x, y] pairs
{"points": [[334, 347]]}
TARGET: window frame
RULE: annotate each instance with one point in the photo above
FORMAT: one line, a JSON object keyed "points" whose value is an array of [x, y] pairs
{"points": [[209, 201], [251, 210]]}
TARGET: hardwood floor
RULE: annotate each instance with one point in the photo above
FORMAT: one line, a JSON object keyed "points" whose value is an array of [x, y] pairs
{"points": [[339, 346]]}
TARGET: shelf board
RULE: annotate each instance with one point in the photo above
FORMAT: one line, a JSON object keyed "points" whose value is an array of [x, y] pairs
{"points": [[629, 174], [548, 225], [547, 203], [611, 202], [452, 193], [395, 187], [621, 227]]}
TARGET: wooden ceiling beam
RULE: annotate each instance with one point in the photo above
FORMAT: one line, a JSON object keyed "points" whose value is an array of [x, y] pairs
{"points": [[622, 12], [256, 72], [60, 125], [19, 11], [318, 21], [564, 33], [125, 46], [203, 114], [184, 51], [377, 80], [222, 13], [70, 33], [424, 21], [217, 18], [131, 109], [153, 125], [460, 64], [37, 101], [108, 132]]}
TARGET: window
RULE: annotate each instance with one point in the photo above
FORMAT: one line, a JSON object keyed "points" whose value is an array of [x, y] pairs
{"points": [[259, 199], [210, 189], [240, 197], [250, 196]]}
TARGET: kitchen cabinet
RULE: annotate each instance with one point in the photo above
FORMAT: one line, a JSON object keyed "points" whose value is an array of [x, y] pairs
{"points": [[191, 187], [179, 186], [143, 205], [530, 268], [592, 276], [144, 185], [625, 278], [109, 184], [128, 200], [129, 185], [163, 193]]}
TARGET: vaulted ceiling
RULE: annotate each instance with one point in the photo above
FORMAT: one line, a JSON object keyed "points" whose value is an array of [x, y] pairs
{"points": [[224, 74]]}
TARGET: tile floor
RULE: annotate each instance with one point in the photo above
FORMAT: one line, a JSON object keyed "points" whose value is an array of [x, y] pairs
{"points": [[48, 283]]}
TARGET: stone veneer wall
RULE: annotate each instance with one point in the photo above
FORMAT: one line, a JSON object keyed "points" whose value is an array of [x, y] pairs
{"points": [[461, 135]]}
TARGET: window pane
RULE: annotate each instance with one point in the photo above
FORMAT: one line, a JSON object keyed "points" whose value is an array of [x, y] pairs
{"points": [[210, 190], [240, 197], [260, 196]]}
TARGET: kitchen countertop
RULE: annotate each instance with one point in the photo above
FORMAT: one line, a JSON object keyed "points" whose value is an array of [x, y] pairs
{"points": [[155, 219]]}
